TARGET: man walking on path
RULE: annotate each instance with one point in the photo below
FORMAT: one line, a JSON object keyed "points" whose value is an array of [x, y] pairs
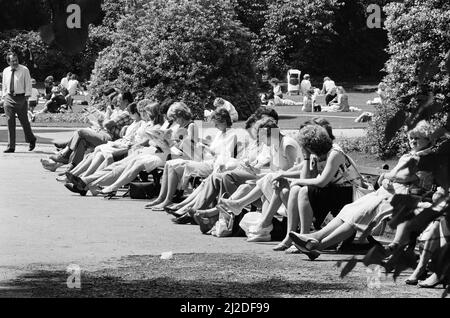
{"points": [[16, 91]]}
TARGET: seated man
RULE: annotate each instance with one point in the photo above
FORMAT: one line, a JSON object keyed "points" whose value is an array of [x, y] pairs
{"points": [[90, 138], [57, 100]]}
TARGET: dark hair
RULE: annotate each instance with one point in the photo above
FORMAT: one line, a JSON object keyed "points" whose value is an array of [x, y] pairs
{"points": [[321, 122], [274, 81], [155, 113], [183, 113], [222, 115], [9, 54], [69, 74], [165, 104], [251, 121], [132, 108], [266, 111], [316, 139], [74, 76], [128, 96], [268, 124]]}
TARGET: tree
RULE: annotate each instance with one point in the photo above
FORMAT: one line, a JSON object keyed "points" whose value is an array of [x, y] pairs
{"points": [[419, 37], [187, 50]]}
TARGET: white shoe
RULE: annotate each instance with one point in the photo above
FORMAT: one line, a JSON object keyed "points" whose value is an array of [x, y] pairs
{"points": [[259, 238]]}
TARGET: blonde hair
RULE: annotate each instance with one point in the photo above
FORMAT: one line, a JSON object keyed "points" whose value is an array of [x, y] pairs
{"points": [[340, 89], [423, 129]]}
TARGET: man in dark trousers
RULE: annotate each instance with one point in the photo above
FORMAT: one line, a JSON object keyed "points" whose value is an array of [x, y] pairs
{"points": [[16, 91]]}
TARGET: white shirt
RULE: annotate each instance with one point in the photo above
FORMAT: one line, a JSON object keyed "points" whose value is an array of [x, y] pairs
{"points": [[72, 87], [329, 85], [305, 86], [34, 94], [22, 80], [65, 83]]}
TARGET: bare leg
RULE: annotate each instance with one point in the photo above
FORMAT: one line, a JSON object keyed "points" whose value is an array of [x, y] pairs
{"points": [[164, 184], [82, 166], [272, 208], [342, 233], [239, 204], [305, 211], [132, 171], [95, 164], [172, 183], [242, 191], [293, 218]]}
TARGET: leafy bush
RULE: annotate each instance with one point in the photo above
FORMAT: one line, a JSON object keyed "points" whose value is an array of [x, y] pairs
{"points": [[187, 50], [422, 27]]}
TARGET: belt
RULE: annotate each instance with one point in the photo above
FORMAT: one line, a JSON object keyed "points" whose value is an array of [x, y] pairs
{"points": [[17, 95]]}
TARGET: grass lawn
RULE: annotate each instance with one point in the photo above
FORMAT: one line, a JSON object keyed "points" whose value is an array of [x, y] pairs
{"points": [[290, 116]]}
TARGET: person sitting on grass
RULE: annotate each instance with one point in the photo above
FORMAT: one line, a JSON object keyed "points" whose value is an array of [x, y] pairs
{"points": [[372, 208], [222, 103], [54, 105], [339, 103]]}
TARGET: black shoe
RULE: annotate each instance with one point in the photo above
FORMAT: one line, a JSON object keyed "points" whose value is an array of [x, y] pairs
{"points": [[184, 219], [9, 150], [32, 145], [74, 189], [60, 146]]}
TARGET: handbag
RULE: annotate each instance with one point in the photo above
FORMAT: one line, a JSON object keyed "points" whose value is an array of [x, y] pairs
{"points": [[360, 188], [224, 225], [144, 190]]}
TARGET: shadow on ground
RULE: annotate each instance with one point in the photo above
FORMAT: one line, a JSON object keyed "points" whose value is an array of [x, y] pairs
{"points": [[183, 276]]}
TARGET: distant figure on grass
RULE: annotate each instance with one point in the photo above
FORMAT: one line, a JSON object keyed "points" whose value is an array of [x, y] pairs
{"points": [[381, 92], [277, 92], [305, 85], [73, 87], [54, 105], [33, 100], [48, 85], [65, 81], [339, 103], [222, 103], [16, 89], [329, 89]]}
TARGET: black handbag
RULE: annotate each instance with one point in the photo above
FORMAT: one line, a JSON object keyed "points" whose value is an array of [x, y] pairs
{"points": [[144, 190]]}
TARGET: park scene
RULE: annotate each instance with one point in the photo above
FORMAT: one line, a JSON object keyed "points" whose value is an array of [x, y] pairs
{"points": [[193, 149]]}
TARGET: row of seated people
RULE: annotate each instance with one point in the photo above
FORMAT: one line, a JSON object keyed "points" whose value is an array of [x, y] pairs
{"points": [[308, 175]]}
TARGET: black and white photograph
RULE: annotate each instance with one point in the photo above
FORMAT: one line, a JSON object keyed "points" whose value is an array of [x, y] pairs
{"points": [[219, 156]]}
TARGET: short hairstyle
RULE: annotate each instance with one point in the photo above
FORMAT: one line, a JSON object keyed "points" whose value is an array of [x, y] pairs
{"points": [[222, 115], [9, 54], [133, 108], [266, 111], [74, 76], [49, 79], [316, 139], [128, 96], [266, 123], [340, 89], [251, 121], [69, 74], [321, 122], [165, 105], [142, 104], [179, 110], [422, 130], [274, 81], [326, 78], [219, 102], [306, 76]]}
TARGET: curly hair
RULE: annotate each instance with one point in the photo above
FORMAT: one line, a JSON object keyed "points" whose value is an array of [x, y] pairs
{"points": [[266, 123], [423, 129], [321, 122], [251, 121], [263, 111], [179, 110], [222, 115], [316, 139]]}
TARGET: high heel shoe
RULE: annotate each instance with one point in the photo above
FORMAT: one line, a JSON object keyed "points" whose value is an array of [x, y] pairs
{"points": [[74, 189], [414, 281]]}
